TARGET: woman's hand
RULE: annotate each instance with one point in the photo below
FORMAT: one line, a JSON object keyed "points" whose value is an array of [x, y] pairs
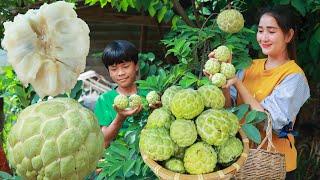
{"points": [[231, 82], [124, 113]]}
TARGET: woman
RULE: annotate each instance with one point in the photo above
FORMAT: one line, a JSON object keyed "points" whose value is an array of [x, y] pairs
{"points": [[275, 84]]}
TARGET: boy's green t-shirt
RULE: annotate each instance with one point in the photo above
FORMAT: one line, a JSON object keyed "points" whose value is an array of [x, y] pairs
{"points": [[106, 113]]}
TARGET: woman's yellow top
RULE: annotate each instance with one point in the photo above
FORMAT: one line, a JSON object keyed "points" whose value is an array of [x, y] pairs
{"points": [[281, 91]]}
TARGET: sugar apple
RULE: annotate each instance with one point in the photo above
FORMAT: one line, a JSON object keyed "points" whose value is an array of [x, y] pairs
{"points": [[213, 127], [183, 132], [200, 158], [212, 96], [233, 122], [55, 139], [175, 165], [228, 70], [168, 94], [212, 66], [121, 101], [159, 118], [156, 144], [230, 150], [218, 79], [230, 21], [187, 104], [135, 101], [47, 47], [222, 53], [153, 97]]}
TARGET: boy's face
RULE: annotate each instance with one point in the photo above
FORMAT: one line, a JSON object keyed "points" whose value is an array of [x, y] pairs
{"points": [[124, 74]]}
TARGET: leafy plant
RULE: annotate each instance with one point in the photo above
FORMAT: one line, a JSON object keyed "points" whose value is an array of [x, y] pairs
{"points": [[251, 119], [7, 176]]}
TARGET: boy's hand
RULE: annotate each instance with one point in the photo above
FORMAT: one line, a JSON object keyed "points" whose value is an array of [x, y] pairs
{"points": [[124, 113]]}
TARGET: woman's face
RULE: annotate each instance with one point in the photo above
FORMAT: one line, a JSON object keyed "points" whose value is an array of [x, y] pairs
{"points": [[272, 40], [124, 74]]}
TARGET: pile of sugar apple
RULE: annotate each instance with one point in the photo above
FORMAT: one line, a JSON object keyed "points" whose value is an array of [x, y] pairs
{"points": [[57, 138], [192, 133]]}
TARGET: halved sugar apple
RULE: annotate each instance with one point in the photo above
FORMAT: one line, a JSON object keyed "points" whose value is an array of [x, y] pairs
{"points": [[55, 139], [230, 21], [47, 47]]}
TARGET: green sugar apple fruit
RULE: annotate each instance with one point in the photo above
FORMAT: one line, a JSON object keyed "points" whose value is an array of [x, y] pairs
{"points": [[183, 132], [156, 144], [159, 118], [212, 66], [153, 97], [212, 96], [168, 94], [55, 139], [213, 127], [134, 101], [218, 79], [230, 150], [228, 70], [230, 21], [233, 123], [175, 165], [200, 158], [187, 104], [121, 101], [222, 53]]}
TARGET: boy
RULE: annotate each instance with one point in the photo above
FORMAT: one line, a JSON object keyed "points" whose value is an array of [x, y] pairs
{"points": [[120, 57]]}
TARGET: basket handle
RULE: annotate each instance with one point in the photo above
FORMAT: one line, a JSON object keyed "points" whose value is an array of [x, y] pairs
{"points": [[268, 138]]}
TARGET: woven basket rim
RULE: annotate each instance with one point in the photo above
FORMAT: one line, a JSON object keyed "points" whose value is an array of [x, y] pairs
{"points": [[230, 170]]}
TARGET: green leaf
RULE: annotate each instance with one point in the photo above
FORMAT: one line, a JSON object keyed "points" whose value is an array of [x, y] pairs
{"points": [[300, 6], [4, 175], [205, 11], [242, 110], [261, 116], [161, 13], [119, 148], [252, 132], [174, 21], [152, 11], [137, 168], [128, 165], [251, 116], [124, 5], [316, 35]]}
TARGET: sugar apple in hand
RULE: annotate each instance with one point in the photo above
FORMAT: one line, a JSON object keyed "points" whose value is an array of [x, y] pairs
{"points": [[156, 144], [159, 118], [212, 66], [121, 101], [187, 104], [55, 139], [213, 127], [175, 165], [222, 53], [212, 96], [135, 101], [218, 79], [153, 97], [200, 158], [168, 94], [228, 70], [230, 150], [230, 21], [47, 47], [183, 132]]}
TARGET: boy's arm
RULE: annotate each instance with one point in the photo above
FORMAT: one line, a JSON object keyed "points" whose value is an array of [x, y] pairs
{"points": [[111, 131]]}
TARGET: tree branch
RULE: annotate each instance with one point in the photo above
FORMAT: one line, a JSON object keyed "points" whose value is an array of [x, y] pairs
{"points": [[182, 13]]}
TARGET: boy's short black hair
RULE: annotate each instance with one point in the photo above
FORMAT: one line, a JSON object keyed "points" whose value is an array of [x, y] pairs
{"points": [[119, 51]]}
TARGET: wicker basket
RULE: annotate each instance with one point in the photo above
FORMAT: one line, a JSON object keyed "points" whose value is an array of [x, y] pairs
{"points": [[264, 164], [226, 173]]}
